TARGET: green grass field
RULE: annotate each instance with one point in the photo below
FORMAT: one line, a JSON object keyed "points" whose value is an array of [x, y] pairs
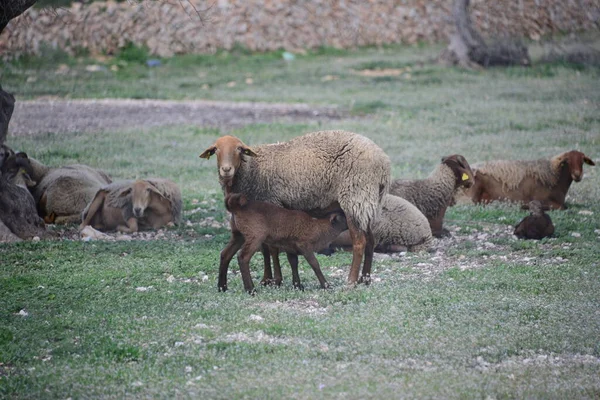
{"points": [[486, 316]]}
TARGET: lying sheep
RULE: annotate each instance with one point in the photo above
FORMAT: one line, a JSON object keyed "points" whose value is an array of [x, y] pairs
{"points": [[316, 172], [546, 180], [62, 193], [255, 223], [434, 194], [129, 206], [537, 225], [18, 214], [400, 226]]}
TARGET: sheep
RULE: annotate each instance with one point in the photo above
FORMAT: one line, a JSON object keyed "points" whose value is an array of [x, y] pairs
{"points": [[434, 194], [537, 225], [18, 214], [546, 180], [62, 193], [400, 226], [316, 172], [255, 223], [129, 206]]}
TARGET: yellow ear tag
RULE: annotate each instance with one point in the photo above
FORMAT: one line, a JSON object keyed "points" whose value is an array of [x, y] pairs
{"points": [[465, 176]]}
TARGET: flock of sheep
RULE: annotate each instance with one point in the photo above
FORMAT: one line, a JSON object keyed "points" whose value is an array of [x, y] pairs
{"points": [[81, 194], [318, 192], [334, 174]]}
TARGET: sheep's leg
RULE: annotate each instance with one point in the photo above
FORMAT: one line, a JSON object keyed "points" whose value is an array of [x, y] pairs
{"points": [[314, 263], [246, 253], [293, 260], [67, 219], [132, 226], [235, 243], [359, 242], [436, 224], [369, 250]]}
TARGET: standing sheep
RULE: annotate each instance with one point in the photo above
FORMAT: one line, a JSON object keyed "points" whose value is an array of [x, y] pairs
{"points": [[315, 172], [129, 206], [62, 193], [537, 225], [434, 194], [400, 226], [255, 223], [546, 180]]}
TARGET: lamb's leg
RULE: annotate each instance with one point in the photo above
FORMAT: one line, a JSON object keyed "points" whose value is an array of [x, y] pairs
{"points": [[267, 274], [314, 263], [246, 253], [369, 250], [276, 265], [95, 205], [132, 226], [235, 243], [359, 242], [293, 260]]}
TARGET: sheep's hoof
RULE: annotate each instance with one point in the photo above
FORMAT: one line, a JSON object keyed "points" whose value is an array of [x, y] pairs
{"points": [[222, 288], [366, 279], [299, 286], [251, 292], [270, 282], [49, 219], [326, 286]]}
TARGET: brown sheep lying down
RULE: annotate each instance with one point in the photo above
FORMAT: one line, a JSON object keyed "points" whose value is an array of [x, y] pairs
{"points": [[537, 225], [129, 206], [255, 223], [545, 180]]}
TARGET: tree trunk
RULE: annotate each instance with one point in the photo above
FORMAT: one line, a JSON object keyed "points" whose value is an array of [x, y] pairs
{"points": [[7, 106], [468, 49], [10, 9]]}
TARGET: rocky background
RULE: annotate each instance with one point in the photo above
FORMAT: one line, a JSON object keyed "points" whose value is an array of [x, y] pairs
{"points": [[170, 27]]}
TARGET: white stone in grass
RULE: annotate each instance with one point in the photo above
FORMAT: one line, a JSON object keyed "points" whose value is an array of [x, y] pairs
{"points": [[257, 318], [204, 278], [586, 212], [23, 313], [188, 369], [170, 279], [179, 344], [576, 234], [143, 288]]}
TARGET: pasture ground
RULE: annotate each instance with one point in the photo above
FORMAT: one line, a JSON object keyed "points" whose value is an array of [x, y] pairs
{"points": [[484, 316]]}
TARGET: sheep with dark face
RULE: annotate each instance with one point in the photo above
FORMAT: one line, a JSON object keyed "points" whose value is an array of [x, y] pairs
{"points": [[434, 194], [537, 225], [545, 180], [129, 206], [316, 172], [255, 223]]}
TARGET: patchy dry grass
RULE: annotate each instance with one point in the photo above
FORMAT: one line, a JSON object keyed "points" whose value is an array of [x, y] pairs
{"points": [[484, 316]]}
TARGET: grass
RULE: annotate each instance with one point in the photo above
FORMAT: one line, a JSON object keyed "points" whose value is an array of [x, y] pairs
{"points": [[488, 316]]}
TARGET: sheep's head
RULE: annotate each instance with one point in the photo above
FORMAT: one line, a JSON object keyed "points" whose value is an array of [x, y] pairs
{"points": [[461, 168], [235, 201], [17, 169], [338, 221], [572, 162], [141, 192], [536, 207], [230, 153]]}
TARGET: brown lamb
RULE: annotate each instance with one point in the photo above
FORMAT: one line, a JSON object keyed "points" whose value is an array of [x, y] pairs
{"points": [[545, 180], [255, 223], [537, 225]]}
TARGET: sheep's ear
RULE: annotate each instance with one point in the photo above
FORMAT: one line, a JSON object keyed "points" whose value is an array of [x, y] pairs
{"points": [[444, 159], [125, 192], [22, 154], [208, 152], [248, 152], [243, 200], [588, 160]]}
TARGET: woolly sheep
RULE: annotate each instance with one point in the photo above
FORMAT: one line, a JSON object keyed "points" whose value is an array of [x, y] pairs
{"points": [[18, 213], [537, 225], [400, 226], [434, 194], [255, 223], [62, 193], [316, 172], [546, 180], [129, 206]]}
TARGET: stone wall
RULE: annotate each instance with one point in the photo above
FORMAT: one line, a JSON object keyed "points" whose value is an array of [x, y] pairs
{"points": [[170, 27]]}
